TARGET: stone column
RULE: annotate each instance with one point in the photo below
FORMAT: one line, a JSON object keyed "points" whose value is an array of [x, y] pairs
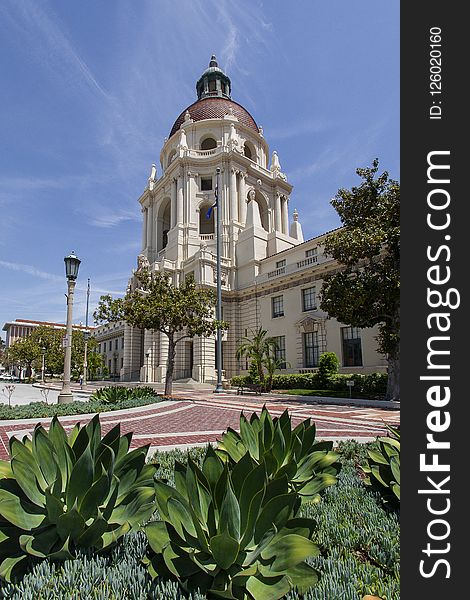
{"points": [[173, 202], [160, 371], [233, 195], [242, 199], [150, 226], [179, 199], [144, 228], [277, 212], [284, 216]]}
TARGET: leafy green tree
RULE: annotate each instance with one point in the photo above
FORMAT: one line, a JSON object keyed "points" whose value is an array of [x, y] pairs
{"points": [[23, 353], [50, 339], [366, 290], [179, 312], [256, 348], [94, 363]]}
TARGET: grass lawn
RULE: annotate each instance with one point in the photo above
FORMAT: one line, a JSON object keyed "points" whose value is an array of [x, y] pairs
{"points": [[328, 394]]}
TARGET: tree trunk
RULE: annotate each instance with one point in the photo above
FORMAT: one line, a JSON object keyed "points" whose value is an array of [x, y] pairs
{"points": [[170, 366], [393, 383]]}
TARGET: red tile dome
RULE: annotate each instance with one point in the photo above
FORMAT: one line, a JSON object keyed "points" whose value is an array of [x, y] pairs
{"points": [[215, 108]]}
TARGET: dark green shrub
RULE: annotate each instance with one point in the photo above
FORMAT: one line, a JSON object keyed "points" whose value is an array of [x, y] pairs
{"points": [[283, 452], [327, 367], [60, 492], [230, 532]]}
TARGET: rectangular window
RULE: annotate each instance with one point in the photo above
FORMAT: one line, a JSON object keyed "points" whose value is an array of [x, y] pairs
{"points": [[122, 342], [352, 348], [110, 345], [116, 341], [206, 184], [311, 252], [280, 350], [308, 299], [281, 263], [278, 306], [311, 349]]}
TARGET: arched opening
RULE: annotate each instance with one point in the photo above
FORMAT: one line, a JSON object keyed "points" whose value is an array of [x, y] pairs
{"points": [[247, 151], [206, 224], [163, 223], [208, 144], [263, 210]]}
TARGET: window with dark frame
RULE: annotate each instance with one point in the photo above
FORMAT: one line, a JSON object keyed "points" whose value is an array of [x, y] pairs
{"points": [[311, 350], [309, 299], [280, 350], [277, 306], [206, 184], [281, 263], [352, 346]]}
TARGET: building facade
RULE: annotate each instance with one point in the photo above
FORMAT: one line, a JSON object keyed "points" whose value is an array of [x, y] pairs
{"points": [[21, 328], [270, 276], [110, 340]]}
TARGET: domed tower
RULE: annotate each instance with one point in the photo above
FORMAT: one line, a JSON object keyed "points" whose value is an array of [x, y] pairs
{"points": [[178, 232], [215, 131]]}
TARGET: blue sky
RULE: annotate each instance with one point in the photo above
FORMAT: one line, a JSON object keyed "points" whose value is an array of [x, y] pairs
{"points": [[90, 90]]}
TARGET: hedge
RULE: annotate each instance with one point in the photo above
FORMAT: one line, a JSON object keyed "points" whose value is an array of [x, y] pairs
{"points": [[373, 383]]}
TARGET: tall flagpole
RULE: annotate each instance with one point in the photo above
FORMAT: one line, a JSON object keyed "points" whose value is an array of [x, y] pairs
{"points": [[87, 333], [219, 387]]}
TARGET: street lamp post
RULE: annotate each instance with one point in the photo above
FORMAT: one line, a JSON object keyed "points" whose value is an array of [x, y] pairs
{"points": [[43, 369], [72, 264], [147, 374]]}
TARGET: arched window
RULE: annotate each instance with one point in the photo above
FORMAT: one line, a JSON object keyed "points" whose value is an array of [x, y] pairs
{"points": [[247, 151], [208, 144]]}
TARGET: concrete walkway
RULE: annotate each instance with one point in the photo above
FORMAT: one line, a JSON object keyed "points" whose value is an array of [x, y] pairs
{"points": [[198, 416]]}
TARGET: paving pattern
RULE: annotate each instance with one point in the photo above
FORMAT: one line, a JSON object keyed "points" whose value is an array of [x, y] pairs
{"points": [[181, 422]]}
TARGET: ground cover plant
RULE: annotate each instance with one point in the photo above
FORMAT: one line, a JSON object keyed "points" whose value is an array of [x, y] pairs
{"points": [[43, 410], [357, 537], [62, 492], [202, 544]]}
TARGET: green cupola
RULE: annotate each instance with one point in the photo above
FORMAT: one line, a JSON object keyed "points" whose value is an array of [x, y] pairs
{"points": [[213, 82]]}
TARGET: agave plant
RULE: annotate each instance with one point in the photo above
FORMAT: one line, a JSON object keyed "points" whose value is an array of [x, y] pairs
{"points": [[230, 532], [60, 492], [383, 467], [309, 467], [111, 394]]}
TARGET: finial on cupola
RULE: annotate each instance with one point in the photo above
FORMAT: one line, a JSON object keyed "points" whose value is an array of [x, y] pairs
{"points": [[213, 61]]}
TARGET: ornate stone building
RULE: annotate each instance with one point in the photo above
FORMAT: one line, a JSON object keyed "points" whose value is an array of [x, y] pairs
{"points": [[270, 276]]}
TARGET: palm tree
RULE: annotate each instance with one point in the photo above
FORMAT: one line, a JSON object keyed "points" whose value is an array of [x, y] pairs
{"points": [[273, 363], [257, 348]]}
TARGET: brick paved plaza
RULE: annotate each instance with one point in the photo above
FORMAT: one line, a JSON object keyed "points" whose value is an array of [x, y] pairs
{"points": [[182, 422]]}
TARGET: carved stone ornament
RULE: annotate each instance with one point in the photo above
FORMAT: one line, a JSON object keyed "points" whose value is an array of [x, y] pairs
{"points": [[142, 262], [251, 195]]}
